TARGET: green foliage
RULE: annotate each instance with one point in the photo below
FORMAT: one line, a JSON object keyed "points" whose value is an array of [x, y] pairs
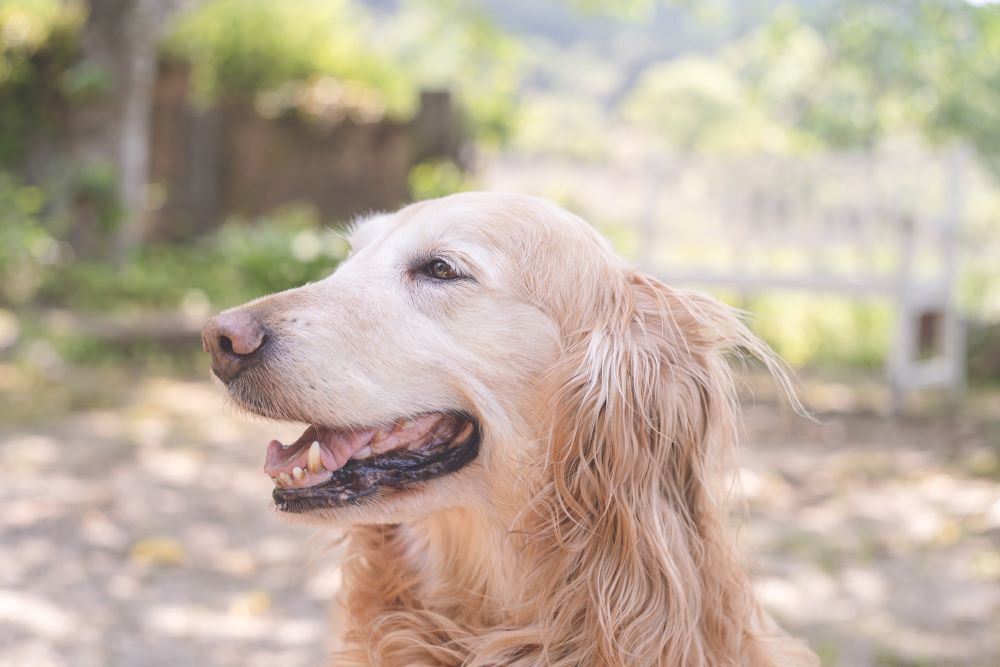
{"points": [[437, 178], [240, 261], [94, 185], [487, 79], [28, 250], [872, 71], [285, 54], [625, 9], [635, 10], [84, 80], [890, 68], [807, 330], [688, 101], [244, 47], [453, 45], [967, 80], [38, 44], [561, 125]]}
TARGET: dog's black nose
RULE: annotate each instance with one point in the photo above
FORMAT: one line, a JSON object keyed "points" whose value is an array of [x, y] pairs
{"points": [[235, 340]]}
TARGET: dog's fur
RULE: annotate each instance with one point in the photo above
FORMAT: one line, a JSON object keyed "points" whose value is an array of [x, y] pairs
{"points": [[592, 527]]}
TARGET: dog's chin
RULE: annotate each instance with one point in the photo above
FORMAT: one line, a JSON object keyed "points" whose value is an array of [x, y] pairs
{"points": [[391, 508]]}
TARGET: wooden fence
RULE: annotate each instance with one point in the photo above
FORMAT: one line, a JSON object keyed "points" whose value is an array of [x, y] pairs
{"points": [[857, 224]]}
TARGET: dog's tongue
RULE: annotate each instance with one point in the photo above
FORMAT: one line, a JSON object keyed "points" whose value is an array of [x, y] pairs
{"points": [[331, 449], [317, 453]]}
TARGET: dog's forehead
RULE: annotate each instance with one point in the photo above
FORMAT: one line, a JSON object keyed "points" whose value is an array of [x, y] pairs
{"points": [[471, 224], [365, 230]]}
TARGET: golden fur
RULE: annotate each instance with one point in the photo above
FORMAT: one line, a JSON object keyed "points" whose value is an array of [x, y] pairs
{"points": [[593, 527]]}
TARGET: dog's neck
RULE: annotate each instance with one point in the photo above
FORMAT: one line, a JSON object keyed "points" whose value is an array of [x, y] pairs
{"points": [[455, 556], [470, 550], [426, 591]]}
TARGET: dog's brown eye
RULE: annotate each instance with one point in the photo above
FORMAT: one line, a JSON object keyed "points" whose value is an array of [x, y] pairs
{"points": [[440, 269]]}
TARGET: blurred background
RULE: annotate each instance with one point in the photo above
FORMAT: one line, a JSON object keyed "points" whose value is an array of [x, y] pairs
{"points": [[830, 166]]}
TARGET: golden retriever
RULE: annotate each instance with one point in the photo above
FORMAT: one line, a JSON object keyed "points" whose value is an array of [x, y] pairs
{"points": [[528, 442]]}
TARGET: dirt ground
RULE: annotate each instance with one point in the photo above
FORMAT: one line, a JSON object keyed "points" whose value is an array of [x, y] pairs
{"points": [[140, 534]]}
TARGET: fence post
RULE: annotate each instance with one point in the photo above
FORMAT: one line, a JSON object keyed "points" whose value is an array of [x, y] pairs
{"points": [[903, 349], [953, 327]]}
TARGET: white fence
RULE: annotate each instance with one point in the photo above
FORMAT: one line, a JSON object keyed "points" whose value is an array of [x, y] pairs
{"points": [[863, 225]]}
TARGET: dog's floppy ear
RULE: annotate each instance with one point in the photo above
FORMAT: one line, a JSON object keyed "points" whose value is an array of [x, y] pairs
{"points": [[644, 423]]}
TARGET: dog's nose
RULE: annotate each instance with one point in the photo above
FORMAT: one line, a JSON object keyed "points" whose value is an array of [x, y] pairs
{"points": [[235, 340]]}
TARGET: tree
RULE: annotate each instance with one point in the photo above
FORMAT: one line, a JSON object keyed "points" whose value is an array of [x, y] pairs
{"points": [[111, 130], [866, 72]]}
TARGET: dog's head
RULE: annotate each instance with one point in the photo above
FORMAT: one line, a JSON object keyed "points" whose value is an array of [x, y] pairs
{"points": [[425, 349], [470, 349]]}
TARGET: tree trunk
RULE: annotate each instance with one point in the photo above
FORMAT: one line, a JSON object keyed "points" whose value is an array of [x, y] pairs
{"points": [[112, 131], [137, 114]]}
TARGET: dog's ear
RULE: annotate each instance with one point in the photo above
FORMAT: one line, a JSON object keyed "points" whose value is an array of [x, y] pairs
{"points": [[644, 423], [647, 400]]}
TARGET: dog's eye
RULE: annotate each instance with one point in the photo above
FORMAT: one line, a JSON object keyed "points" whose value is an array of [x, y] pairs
{"points": [[440, 270]]}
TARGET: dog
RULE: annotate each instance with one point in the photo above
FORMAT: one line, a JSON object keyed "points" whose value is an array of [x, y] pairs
{"points": [[527, 441]]}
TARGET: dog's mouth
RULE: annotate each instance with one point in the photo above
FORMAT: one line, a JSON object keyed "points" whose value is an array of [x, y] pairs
{"points": [[327, 468]]}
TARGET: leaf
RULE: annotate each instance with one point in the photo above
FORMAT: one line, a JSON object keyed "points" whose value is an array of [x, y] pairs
{"points": [[157, 551]]}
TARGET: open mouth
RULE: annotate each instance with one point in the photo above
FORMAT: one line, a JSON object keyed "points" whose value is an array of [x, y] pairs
{"points": [[328, 468]]}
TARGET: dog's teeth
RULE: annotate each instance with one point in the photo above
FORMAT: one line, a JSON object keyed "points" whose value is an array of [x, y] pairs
{"points": [[404, 425], [315, 463], [379, 436], [284, 479], [275, 480], [362, 453], [298, 473]]}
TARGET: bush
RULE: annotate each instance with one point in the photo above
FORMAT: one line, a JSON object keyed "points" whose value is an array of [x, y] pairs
{"points": [[28, 249], [437, 178], [38, 46], [240, 261], [823, 331], [457, 46], [245, 47]]}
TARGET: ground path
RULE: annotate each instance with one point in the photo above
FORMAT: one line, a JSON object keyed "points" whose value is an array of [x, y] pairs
{"points": [[141, 536]]}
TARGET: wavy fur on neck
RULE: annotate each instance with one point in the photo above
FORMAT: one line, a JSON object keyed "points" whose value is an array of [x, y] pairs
{"points": [[620, 554]]}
